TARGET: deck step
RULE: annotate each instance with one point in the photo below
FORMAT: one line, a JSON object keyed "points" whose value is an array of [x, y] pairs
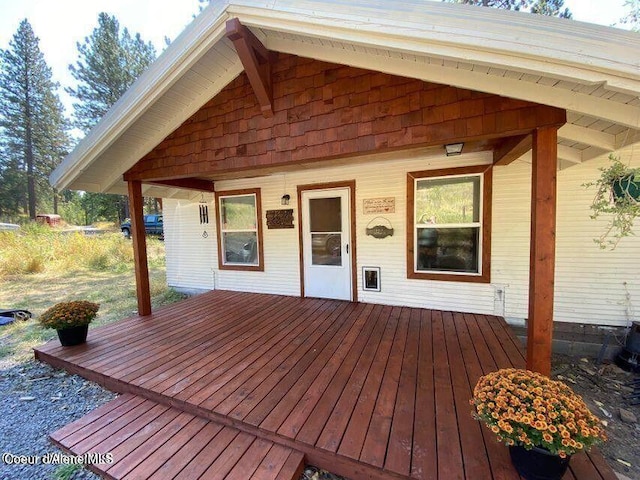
{"points": [[147, 440]]}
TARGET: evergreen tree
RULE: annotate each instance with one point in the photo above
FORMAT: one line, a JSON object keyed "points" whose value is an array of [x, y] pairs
{"points": [[110, 60], [503, 4], [632, 18], [552, 8], [33, 129]]}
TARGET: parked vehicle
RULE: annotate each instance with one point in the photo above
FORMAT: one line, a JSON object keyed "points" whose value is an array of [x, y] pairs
{"points": [[153, 225], [9, 226]]}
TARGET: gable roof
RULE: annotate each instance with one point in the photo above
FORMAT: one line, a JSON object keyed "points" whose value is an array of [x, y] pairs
{"points": [[591, 71]]}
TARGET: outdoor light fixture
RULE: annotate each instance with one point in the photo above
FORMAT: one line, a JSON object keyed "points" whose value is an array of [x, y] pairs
{"points": [[285, 199], [453, 149]]}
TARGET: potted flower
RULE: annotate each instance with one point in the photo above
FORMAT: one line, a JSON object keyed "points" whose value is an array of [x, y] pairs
{"points": [[71, 320], [541, 420], [617, 194]]}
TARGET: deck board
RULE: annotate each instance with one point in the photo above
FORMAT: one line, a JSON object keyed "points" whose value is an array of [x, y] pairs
{"points": [[237, 385], [173, 444]]}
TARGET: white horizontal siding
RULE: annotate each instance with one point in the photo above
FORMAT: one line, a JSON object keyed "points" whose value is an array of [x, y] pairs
{"points": [[373, 180], [592, 285], [190, 252]]}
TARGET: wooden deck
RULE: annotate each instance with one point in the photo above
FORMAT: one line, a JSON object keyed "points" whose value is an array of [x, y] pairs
{"points": [[362, 390], [152, 441]]}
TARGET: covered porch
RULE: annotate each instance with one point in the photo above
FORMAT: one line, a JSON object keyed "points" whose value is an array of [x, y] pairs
{"points": [[362, 390]]}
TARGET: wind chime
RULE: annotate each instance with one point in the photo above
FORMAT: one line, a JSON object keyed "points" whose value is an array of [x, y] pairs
{"points": [[204, 215]]}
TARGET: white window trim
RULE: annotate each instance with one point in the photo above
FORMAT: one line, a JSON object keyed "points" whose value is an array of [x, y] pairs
{"points": [[478, 225]]}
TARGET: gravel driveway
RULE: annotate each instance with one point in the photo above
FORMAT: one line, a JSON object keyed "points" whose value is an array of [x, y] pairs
{"points": [[36, 400]]}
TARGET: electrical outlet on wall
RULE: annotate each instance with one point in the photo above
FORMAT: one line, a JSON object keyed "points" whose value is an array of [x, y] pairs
{"points": [[499, 294]]}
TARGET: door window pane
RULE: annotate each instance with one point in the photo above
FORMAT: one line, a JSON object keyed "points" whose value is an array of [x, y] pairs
{"points": [[326, 249], [325, 214]]}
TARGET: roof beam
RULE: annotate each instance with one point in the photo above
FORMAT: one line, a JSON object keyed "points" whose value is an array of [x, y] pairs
{"points": [[628, 137], [512, 149], [255, 59], [569, 154], [186, 184], [588, 136]]}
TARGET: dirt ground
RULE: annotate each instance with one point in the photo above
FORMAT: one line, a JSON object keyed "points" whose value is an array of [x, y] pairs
{"points": [[605, 389]]}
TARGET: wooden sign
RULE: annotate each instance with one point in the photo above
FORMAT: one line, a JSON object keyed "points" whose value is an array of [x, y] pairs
{"points": [[379, 205], [280, 218]]}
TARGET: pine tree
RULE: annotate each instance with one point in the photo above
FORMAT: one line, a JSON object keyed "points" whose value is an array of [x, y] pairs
{"points": [[503, 4], [110, 60], [552, 8], [33, 129], [632, 18]]}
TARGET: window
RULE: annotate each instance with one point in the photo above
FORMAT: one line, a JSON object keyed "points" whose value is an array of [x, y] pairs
{"points": [[449, 224], [239, 230]]}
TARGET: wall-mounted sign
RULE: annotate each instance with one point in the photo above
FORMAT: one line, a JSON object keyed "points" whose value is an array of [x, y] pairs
{"points": [[380, 230], [379, 205], [280, 218]]}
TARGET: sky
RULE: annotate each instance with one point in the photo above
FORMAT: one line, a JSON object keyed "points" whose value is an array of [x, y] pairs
{"points": [[60, 24]]}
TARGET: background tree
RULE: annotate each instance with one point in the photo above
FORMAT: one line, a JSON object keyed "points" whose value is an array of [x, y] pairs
{"points": [[110, 60], [553, 8], [33, 129], [632, 18]]}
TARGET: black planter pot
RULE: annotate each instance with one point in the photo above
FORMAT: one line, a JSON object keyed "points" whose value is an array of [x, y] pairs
{"points": [[73, 335], [625, 187], [538, 463]]}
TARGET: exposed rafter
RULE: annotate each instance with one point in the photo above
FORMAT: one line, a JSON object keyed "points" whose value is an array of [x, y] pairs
{"points": [[588, 136], [255, 59], [512, 149], [569, 154]]}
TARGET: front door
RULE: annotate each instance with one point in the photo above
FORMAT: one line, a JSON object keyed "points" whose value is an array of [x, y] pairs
{"points": [[326, 234]]}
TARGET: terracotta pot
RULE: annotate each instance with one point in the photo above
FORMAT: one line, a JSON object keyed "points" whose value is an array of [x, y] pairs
{"points": [[538, 463], [73, 335]]}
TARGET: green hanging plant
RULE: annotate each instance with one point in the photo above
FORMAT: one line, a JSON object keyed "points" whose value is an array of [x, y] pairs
{"points": [[618, 195]]}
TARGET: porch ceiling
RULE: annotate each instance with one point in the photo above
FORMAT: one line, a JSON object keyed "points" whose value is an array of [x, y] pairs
{"points": [[590, 71]]}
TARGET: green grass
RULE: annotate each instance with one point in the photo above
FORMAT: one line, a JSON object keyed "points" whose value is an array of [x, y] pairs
{"points": [[66, 472], [70, 267]]}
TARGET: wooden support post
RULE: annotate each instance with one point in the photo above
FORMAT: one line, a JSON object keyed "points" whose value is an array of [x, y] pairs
{"points": [[139, 247], [543, 249]]}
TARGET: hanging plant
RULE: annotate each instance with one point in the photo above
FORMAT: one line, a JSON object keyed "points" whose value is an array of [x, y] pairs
{"points": [[618, 195]]}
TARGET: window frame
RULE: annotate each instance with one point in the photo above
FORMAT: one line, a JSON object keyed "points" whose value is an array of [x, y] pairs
{"points": [[219, 196], [484, 256]]}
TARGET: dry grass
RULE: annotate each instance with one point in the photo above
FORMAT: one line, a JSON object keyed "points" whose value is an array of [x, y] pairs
{"points": [[39, 269]]}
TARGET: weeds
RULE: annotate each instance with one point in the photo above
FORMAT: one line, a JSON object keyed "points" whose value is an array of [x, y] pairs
{"points": [[67, 472], [40, 267], [39, 249]]}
